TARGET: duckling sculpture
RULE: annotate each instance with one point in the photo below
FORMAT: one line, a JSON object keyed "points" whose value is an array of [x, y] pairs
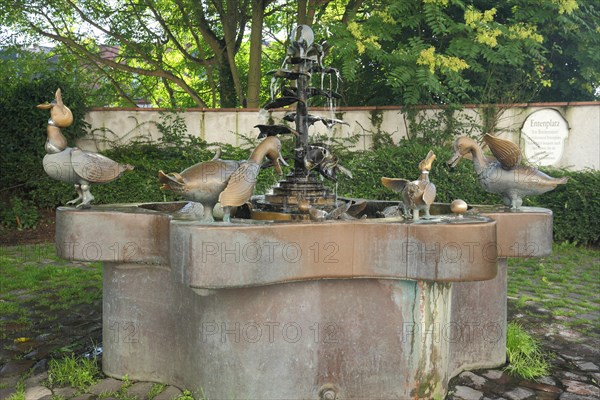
{"points": [[319, 215], [205, 182], [324, 161], [311, 119], [417, 195], [504, 175], [70, 164], [272, 130]]}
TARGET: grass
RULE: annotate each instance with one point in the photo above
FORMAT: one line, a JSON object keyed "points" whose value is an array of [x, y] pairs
{"points": [[525, 357], [120, 394], [36, 282], [76, 372], [19, 389], [567, 284], [156, 389], [35, 287]]}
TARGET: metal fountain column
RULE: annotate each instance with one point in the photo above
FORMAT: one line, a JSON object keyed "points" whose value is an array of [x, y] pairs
{"points": [[301, 185], [301, 115]]}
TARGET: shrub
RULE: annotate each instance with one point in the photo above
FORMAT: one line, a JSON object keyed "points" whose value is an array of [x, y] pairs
{"points": [[402, 161], [20, 214], [576, 206]]}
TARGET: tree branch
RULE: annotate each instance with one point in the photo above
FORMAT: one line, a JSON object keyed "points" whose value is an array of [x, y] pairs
{"points": [[160, 73]]}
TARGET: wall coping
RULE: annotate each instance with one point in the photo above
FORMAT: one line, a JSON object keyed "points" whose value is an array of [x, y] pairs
{"points": [[359, 108]]}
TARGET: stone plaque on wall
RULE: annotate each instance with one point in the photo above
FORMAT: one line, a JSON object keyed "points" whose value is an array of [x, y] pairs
{"points": [[544, 133]]}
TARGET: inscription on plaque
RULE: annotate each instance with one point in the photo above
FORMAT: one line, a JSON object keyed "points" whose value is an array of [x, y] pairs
{"points": [[544, 133]]}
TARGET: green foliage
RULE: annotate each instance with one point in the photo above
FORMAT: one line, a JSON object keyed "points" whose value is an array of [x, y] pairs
{"points": [[156, 389], [455, 52], [525, 357], [389, 51], [401, 161], [46, 192], [176, 151], [441, 126], [19, 390], [141, 185], [79, 373], [575, 205], [570, 40], [186, 395], [173, 132], [20, 214]]}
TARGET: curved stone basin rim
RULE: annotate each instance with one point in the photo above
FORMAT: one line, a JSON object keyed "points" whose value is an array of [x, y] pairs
{"points": [[219, 255]]}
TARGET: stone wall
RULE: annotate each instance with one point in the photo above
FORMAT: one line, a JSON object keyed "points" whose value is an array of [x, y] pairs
{"points": [[580, 149]]}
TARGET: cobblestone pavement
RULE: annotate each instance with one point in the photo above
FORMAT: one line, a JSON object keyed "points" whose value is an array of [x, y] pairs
{"points": [[575, 374], [574, 377]]}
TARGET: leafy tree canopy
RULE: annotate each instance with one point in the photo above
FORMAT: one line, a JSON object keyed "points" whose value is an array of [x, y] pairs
{"points": [[186, 53]]}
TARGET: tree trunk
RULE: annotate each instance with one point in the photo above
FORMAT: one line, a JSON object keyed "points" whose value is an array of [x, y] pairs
{"points": [[227, 94], [302, 5], [254, 76], [230, 24]]}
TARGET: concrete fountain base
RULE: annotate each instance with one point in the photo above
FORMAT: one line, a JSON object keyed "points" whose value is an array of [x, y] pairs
{"points": [[341, 309]]}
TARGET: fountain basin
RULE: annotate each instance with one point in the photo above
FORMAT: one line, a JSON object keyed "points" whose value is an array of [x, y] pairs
{"points": [[372, 308]]}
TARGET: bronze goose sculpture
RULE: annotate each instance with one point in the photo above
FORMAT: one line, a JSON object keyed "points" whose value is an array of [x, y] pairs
{"points": [[202, 182], [70, 164], [504, 175], [416, 195], [206, 181]]}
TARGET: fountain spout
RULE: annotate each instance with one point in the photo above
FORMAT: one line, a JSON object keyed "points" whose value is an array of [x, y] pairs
{"points": [[301, 186]]}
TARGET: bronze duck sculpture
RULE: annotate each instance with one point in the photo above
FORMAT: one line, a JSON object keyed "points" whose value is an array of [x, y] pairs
{"points": [[416, 195], [504, 175], [70, 164], [205, 182]]}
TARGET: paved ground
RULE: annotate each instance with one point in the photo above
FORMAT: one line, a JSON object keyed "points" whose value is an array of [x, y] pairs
{"points": [[575, 357], [575, 372]]}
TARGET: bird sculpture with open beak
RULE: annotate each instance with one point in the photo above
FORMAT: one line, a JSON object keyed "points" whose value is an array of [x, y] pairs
{"points": [[503, 175], [70, 164], [416, 195], [226, 181]]}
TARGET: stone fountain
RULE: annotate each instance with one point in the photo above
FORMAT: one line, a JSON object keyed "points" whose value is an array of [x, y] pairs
{"points": [[273, 306]]}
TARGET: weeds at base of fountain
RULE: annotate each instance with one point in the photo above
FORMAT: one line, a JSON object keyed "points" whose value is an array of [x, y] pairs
{"points": [[77, 372], [525, 357]]}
